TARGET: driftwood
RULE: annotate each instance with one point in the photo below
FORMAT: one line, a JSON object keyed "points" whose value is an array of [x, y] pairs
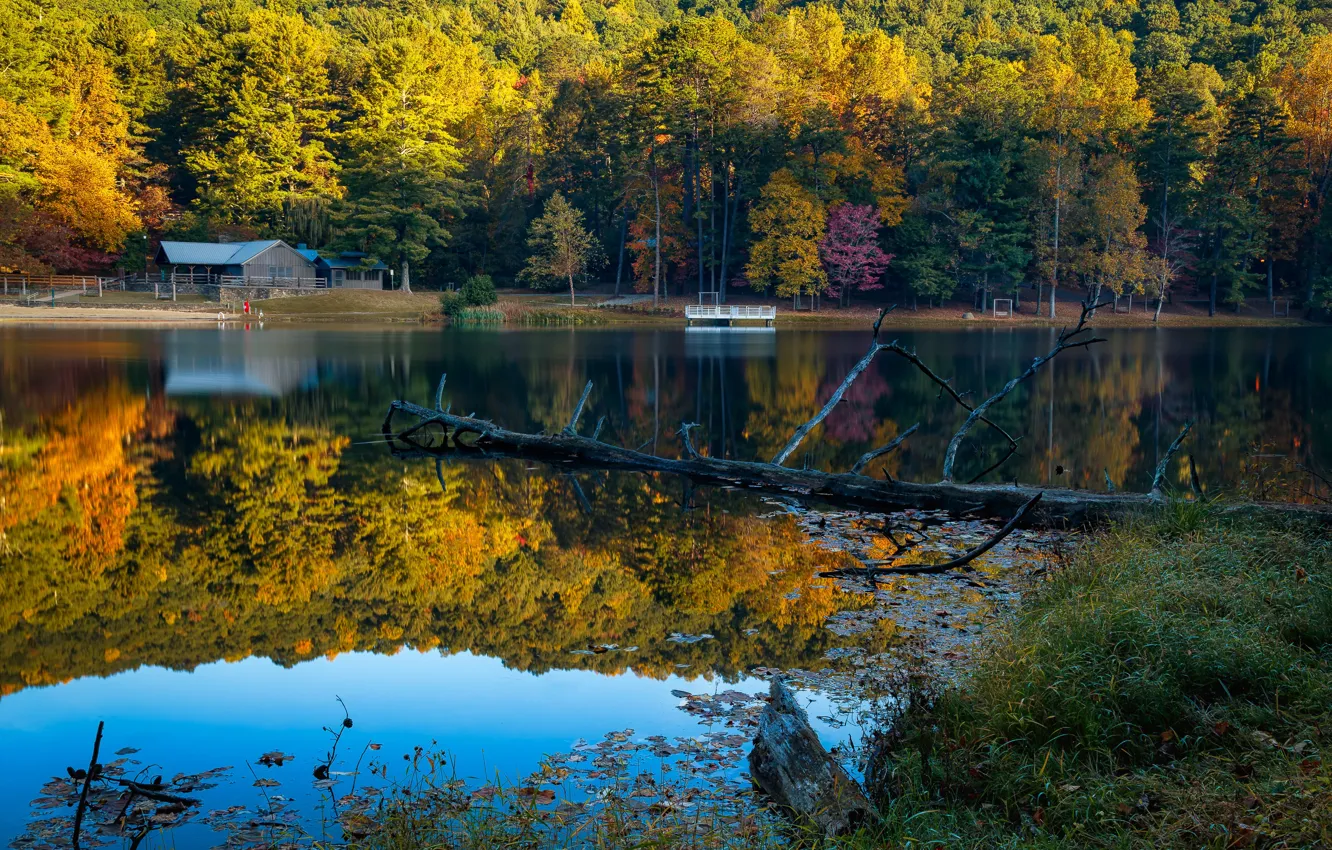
{"points": [[439, 433], [791, 766]]}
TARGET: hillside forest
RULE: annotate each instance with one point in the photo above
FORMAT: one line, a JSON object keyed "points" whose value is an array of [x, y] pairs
{"points": [[939, 148]]}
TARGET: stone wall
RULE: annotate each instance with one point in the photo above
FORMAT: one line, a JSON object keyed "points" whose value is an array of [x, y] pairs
{"points": [[236, 295]]}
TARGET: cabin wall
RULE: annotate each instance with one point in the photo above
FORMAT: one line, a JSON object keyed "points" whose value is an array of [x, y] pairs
{"points": [[279, 261]]}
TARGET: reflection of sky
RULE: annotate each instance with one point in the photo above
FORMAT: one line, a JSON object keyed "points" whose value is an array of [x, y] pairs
{"points": [[490, 718]]}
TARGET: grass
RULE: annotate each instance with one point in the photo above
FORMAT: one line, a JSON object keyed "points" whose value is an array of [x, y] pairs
{"points": [[355, 305], [1168, 686]]}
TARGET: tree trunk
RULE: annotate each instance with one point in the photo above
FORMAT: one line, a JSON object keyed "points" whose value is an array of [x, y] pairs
{"points": [[791, 766], [726, 232], [406, 285], [656, 247], [624, 235], [572, 302], [1059, 194]]}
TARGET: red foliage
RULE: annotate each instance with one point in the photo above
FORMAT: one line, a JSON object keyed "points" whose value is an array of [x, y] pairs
{"points": [[850, 249]]}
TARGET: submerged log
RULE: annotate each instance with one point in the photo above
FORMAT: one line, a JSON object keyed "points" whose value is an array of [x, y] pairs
{"points": [[791, 766]]}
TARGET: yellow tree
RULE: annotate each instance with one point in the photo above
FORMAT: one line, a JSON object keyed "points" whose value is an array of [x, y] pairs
{"points": [[1307, 90], [789, 222], [1087, 92]]}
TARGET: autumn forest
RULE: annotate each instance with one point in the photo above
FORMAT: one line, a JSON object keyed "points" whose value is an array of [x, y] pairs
{"points": [[977, 147]]}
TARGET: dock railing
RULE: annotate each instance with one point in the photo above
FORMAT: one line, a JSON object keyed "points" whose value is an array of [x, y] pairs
{"points": [[730, 312]]}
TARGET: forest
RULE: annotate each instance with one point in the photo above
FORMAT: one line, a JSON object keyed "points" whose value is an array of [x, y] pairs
{"points": [[942, 149]]}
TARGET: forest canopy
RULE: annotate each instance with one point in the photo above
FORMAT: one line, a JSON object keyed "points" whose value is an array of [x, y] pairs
{"points": [[1121, 147]]}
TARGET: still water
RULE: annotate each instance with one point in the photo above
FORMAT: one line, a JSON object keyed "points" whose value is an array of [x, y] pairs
{"points": [[204, 543]]}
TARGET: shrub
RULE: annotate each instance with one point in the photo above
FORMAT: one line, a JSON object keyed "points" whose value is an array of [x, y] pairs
{"points": [[479, 291], [451, 304]]}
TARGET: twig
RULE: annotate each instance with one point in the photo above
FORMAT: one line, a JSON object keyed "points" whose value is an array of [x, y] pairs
{"points": [[87, 780], [869, 457], [596, 433], [1159, 478], [1067, 339], [1109, 482], [959, 561], [1012, 450], [572, 428]]}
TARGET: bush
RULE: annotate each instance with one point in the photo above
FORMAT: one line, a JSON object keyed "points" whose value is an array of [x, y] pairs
{"points": [[451, 304], [479, 291]]}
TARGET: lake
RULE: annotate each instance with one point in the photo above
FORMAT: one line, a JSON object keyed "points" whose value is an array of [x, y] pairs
{"points": [[205, 544]]}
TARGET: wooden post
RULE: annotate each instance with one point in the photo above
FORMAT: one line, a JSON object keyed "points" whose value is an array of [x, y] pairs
{"points": [[99, 286], [84, 281], [173, 288]]}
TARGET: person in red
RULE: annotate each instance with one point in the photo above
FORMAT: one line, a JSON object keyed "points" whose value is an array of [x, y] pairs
{"points": [[247, 308]]}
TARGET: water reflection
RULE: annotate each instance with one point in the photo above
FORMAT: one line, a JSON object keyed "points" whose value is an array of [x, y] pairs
{"points": [[175, 499]]}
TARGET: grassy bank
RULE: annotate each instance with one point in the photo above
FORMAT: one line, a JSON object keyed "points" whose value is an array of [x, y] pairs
{"points": [[1168, 686]]}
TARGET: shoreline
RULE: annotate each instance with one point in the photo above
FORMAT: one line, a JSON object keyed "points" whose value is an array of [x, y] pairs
{"points": [[523, 311]]}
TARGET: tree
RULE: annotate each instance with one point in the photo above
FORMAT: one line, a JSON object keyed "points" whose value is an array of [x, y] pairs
{"points": [[850, 251], [561, 246], [1174, 146], [403, 160], [790, 222], [264, 118]]}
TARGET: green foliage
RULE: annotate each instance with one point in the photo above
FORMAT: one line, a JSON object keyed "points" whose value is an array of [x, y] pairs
{"points": [[697, 140], [479, 291], [562, 248]]}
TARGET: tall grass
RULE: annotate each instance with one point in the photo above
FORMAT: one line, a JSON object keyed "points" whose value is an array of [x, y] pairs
{"points": [[1169, 686]]}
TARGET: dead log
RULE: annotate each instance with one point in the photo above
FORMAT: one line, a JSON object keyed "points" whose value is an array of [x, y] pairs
{"points": [[1058, 508], [440, 433], [791, 766]]}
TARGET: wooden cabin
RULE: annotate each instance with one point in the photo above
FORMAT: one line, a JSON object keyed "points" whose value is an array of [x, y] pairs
{"points": [[269, 262], [347, 270]]}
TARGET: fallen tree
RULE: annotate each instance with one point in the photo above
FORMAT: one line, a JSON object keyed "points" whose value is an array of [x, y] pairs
{"points": [[439, 433]]}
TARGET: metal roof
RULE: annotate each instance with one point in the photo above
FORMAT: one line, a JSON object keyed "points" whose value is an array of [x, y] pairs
{"points": [[214, 253], [350, 260]]}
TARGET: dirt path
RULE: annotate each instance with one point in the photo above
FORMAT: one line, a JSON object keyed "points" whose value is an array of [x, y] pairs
{"points": [[11, 314]]}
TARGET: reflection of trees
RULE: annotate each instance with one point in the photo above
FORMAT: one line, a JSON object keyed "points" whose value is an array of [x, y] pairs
{"points": [[66, 495], [140, 530], [263, 541]]}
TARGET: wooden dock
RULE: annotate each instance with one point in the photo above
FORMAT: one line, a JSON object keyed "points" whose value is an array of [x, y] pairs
{"points": [[729, 315]]}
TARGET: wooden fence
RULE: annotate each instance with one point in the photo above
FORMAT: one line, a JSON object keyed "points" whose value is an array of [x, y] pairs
{"points": [[23, 284]]}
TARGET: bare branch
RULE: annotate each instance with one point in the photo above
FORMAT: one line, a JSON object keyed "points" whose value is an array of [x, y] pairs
{"points": [[1012, 450], [879, 321], [439, 393], [685, 428], [1067, 339], [1109, 482], [596, 432], [803, 430], [93, 770], [572, 427], [155, 792], [869, 457], [1159, 478], [945, 386], [960, 561]]}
